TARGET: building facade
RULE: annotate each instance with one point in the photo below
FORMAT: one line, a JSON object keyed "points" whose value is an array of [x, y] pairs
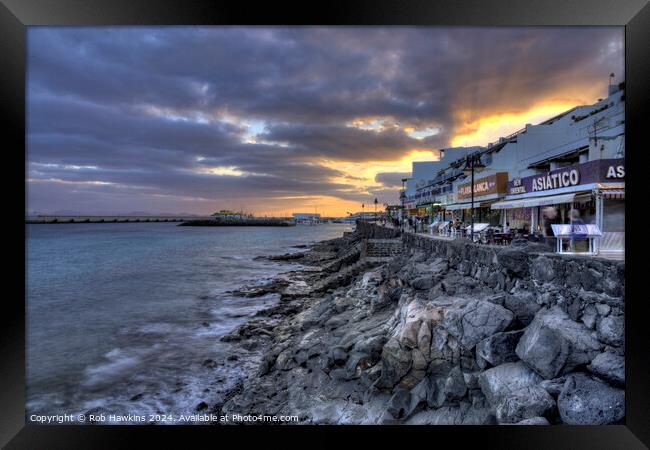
{"points": [[567, 169]]}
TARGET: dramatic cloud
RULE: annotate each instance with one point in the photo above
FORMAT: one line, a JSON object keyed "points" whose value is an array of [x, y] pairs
{"points": [[278, 119]]}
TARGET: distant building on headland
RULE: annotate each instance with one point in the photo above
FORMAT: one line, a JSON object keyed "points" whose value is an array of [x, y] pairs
{"points": [[306, 217], [231, 215]]}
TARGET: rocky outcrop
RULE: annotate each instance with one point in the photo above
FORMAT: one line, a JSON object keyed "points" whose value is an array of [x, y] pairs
{"points": [[447, 332]]}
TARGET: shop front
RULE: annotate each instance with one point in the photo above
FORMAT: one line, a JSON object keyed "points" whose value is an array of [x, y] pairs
{"points": [[588, 193], [487, 191]]}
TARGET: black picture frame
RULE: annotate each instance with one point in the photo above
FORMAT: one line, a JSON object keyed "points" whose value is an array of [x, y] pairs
{"points": [[634, 15]]}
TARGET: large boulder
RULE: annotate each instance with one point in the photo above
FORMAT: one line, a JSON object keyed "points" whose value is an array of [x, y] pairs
{"points": [[585, 401], [523, 305], [610, 367], [500, 381], [474, 320], [553, 344], [611, 329], [499, 348], [525, 403]]}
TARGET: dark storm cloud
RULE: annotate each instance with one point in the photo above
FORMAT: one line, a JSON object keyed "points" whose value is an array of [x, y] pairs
{"points": [[155, 108], [391, 179]]}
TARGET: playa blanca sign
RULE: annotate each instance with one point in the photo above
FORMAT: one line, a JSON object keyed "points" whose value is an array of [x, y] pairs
{"points": [[493, 184]]}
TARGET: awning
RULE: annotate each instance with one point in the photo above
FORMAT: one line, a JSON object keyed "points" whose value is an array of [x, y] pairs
{"points": [[534, 201], [613, 193], [455, 206]]}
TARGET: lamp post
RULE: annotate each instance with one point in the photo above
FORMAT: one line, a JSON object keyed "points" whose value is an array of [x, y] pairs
{"points": [[403, 198], [376, 209], [363, 211], [473, 163]]}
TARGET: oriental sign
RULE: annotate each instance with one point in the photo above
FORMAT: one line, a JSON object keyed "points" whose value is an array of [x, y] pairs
{"points": [[600, 170], [493, 184]]}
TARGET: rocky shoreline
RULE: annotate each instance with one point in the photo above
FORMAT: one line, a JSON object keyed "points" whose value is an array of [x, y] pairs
{"points": [[452, 334]]}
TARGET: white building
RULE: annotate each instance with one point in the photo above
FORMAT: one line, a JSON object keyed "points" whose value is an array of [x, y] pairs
{"points": [[306, 217]]}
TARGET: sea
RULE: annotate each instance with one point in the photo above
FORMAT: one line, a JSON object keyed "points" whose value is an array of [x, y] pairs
{"points": [[126, 318]]}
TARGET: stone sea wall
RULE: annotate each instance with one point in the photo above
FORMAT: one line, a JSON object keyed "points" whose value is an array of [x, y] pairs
{"points": [[444, 332], [540, 335]]}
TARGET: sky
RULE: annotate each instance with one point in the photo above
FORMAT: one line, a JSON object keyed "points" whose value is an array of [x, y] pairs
{"points": [[276, 120]]}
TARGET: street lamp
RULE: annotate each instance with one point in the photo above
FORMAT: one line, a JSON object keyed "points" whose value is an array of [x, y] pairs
{"points": [[403, 198], [376, 209], [473, 163]]}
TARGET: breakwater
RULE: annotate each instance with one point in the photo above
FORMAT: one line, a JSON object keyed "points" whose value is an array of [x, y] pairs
{"points": [[443, 332], [106, 219], [252, 222]]}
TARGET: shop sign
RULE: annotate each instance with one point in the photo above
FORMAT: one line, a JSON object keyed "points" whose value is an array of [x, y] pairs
{"points": [[493, 184], [600, 170]]}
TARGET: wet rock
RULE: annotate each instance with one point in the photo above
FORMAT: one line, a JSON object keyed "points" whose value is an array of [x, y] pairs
{"points": [[585, 401], [498, 382], [610, 367], [611, 329], [475, 321], [499, 348], [525, 403], [553, 344], [137, 397]]}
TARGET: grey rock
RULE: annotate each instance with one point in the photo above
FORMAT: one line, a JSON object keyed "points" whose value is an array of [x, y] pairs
{"points": [[514, 260], [525, 403], [423, 282], [553, 344], [585, 401], [371, 346], [610, 367], [335, 322], [542, 269], [455, 386], [399, 404], [499, 348], [498, 382], [396, 362], [603, 309], [524, 306], [554, 386], [423, 392], [534, 421], [338, 356], [611, 329], [475, 321], [589, 316]]}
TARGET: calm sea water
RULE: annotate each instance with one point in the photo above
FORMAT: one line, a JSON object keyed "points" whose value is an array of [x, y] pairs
{"points": [[121, 317]]}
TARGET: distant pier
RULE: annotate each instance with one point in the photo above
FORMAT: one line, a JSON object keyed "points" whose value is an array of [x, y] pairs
{"points": [[109, 219]]}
